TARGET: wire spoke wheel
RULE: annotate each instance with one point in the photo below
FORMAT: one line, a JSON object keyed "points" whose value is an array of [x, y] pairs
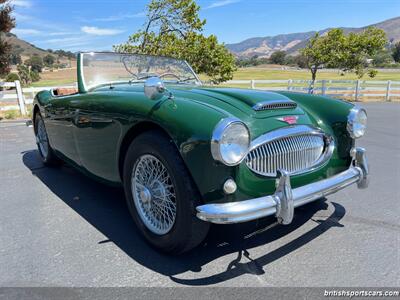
{"points": [[41, 139], [160, 194], [153, 194]]}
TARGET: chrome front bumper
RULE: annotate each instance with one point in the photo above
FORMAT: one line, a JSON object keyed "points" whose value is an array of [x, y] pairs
{"points": [[285, 199]]}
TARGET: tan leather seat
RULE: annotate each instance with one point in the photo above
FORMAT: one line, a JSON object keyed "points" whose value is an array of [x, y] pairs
{"points": [[65, 91]]}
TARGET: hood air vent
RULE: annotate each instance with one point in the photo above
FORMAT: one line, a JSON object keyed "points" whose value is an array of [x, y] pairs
{"points": [[275, 104]]}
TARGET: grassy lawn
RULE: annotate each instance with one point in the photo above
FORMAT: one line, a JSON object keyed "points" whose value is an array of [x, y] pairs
{"points": [[268, 74], [53, 82], [68, 77], [57, 78]]}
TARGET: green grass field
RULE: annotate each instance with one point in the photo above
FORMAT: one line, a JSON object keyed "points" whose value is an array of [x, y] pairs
{"points": [[53, 82], [269, 74], [67, 77]]}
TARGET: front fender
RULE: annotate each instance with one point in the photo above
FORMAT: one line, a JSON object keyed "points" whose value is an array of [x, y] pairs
{"points": [[43, 97], [190, 124]]}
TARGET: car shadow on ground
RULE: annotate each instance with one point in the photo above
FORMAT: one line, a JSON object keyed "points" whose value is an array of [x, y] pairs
{"points": [[104, 208]]}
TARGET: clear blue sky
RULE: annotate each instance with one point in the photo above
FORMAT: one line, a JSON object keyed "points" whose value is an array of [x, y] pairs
{"points": [[98, 24]]}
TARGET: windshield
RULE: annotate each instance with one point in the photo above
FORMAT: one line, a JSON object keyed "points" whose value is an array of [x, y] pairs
{"points": [[107, 68]]}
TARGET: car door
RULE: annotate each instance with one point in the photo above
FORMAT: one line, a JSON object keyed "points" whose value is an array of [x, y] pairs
{"points": [[97, 132], [59, 125]]}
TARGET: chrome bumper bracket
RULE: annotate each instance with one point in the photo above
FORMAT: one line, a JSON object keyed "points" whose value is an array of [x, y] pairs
{"points": [[285, 199], [360, 161]]}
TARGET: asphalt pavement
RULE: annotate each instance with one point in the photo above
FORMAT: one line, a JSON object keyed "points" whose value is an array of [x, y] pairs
{"points": [[60, 228]]}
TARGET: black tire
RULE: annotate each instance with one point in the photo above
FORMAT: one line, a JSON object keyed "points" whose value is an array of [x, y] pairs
{"points": [[47, 154], [187, 231]]}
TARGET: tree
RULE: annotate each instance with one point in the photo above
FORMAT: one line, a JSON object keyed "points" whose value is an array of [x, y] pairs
{"points": [[35, 76], [27, 75], [67, 54], [173, 28], [48, 60], [382, 58], [346, 52], [252, 61], [7, 22], [301, 61], [359, 47], [323, 51], [289, 60], [36, 63], [24, 74], [5, 57], [278, 57], [396, 52]]}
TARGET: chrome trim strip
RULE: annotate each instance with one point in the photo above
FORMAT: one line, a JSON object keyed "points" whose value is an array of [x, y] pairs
{"points": [[200, 83], [274, 104], [298, 157], [285, 199]]}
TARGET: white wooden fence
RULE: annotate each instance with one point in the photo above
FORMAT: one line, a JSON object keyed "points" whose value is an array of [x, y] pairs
{"points": [[17, 98], [357, 90]]}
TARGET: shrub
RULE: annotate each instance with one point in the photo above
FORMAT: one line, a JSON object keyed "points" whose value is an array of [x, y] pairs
{"points": [[372, 73], [35, 76], [11, 77]]}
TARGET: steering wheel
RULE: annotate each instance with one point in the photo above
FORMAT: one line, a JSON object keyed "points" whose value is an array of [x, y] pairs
{"points": [[169, 74]]}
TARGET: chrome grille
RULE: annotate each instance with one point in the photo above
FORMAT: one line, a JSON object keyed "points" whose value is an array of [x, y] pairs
{"points": [[293, 154]]}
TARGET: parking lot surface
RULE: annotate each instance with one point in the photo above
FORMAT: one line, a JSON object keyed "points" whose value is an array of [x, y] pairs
{"points": [[60, 228]]}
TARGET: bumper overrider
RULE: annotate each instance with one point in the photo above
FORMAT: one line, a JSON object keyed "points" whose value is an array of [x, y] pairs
{"points": [[285, 199]]}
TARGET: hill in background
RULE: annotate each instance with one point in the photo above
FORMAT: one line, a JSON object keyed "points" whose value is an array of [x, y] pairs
{"points": [[26, 50], [291, 43], [260, 46]]}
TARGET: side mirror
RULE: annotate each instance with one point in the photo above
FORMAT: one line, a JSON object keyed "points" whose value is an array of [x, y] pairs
{"points": [[154, 88]]}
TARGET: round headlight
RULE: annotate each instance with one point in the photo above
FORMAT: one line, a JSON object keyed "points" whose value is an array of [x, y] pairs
{"points": [[230, 141], [357, 122]]}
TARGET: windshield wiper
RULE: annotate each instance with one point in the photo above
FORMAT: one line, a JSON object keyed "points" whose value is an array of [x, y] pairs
{"points": [[140, 78], [187, 79]]}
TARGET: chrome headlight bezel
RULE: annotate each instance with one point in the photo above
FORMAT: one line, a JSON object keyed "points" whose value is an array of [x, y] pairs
{"points": [[353, 122], [218, 135]]}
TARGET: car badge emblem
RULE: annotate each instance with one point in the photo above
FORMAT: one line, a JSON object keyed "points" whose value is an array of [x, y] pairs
{"points": [[289, 119]]}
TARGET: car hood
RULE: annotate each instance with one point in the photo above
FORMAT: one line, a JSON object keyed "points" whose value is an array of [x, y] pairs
{"points": [[230, 102], [238, 99]]}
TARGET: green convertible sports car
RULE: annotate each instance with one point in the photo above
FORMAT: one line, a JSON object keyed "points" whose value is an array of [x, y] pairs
{"points": [[189, 155]]}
